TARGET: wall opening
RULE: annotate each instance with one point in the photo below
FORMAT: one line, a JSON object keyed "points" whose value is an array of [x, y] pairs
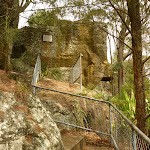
{"points": [[17, 51]]}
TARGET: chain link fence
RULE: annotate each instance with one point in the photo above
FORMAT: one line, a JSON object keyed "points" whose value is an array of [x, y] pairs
{"points": [[77, 70], [101, 117], [127, 135], [121, 131]]}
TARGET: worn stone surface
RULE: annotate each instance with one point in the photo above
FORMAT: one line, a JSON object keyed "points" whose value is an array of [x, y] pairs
{"points": [[59, 112], [27, 125]]}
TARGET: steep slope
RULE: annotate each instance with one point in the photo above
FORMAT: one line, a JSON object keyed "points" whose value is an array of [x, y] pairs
{"points": [[33, 111]]}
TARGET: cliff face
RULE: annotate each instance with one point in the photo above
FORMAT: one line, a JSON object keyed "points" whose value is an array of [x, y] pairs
{"points": [[69, 39]]}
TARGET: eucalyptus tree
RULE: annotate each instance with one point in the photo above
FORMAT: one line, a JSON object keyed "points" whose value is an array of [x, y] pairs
{"points": [[136, 33], [138, 12]]}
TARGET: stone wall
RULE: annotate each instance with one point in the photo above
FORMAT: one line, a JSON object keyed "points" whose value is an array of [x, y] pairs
{"points": [[69, 39]]}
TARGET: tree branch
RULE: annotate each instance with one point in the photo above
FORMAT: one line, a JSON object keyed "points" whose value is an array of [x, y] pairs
{"points": [[146, 75], [120, 16], [145, 60], [23, 7], [147, 116], [127, 55], [22, 3], [116, 38]]}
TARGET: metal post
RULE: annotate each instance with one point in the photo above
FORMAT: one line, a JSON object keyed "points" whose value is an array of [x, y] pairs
{"points": [[81, 71], [133, 140], [110, 124], [35, 91]]}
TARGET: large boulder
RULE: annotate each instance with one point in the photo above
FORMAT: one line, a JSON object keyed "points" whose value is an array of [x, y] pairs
{"points": [[26, 124]]}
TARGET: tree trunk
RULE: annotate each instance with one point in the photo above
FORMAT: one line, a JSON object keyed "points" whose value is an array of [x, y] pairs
{"points": [[9, 18], [134, 14], [120, 49]]}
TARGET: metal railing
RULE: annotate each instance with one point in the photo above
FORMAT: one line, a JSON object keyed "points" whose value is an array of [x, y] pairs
{"points": [[36, 73], [122, 133], [77, 70]]}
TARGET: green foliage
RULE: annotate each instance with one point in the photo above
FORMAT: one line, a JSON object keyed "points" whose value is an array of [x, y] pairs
{"points": [[80, 115], [83, 118], [117, 66], [147, 96], [23, 63], [43, 18], [126, 104], [53, 73], [99, 95], [19, 66], [91, 87], [56, 74], [45, 70]]}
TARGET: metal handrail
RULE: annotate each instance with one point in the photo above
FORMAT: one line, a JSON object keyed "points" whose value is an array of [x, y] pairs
{"points": [[79, 127], [136, 129]]}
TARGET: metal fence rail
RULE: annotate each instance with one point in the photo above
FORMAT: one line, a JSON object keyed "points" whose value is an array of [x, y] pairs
{"points": [[123, 134]]}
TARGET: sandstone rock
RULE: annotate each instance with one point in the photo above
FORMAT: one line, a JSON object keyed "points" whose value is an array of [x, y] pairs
{"points": [[27, 125], [69, 39], [59, 112]]}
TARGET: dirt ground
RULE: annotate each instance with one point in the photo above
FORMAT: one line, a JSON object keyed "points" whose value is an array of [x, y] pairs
{"points": [[7, 84]]}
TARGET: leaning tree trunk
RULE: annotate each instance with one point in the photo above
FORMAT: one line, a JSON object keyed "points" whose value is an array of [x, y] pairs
{"points": [[134, 14]]}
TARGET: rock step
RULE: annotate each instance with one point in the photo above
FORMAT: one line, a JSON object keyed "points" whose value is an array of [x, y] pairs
{"points": [[73, 141], [62, 130]]}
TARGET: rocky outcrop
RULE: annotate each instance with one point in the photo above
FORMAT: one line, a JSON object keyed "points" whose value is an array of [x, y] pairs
{"points": [[26, 124], [69, 39], [59, 112]]}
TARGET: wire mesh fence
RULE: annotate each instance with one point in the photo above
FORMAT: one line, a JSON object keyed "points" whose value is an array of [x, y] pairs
{"points": [[101, 117], [121, 131], [124, 135], [76, 70], [94, 115], [139, 143], [36, 73]]}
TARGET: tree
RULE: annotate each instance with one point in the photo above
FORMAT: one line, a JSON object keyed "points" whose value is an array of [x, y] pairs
{"points": [[121, 44], [134, 12], [43, 18], [9, 18], [136, 33]]}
